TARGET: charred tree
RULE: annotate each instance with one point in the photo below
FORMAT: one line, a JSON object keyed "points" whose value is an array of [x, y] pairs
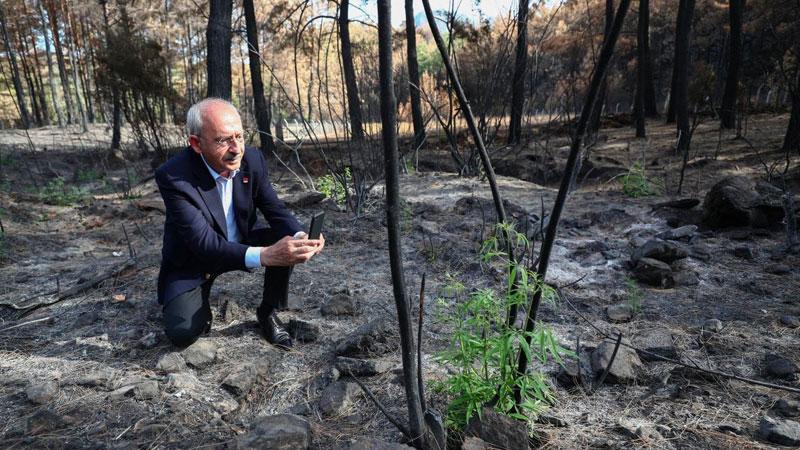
{"points": [[116, 113], [263, 113], [218, 40], [681, 98], [15, 77], [520, 68], [353, 102], [681, 22], [597, 109], [642, 62], [50, 76], [650, 108], [391, 163], [728, 110], [558, 206], [413, 76], [62, 66]]}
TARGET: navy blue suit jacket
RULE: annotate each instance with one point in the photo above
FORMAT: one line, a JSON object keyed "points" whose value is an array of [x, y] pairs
{"points": [[195, 235]]}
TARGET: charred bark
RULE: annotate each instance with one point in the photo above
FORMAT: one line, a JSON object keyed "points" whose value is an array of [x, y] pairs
{"points": [[413, 76], [597, 110], [218, 40], [391, 162], [520, 68], [353, 102], [681, 98], [23, 108], [729, 98], [263, 113]]}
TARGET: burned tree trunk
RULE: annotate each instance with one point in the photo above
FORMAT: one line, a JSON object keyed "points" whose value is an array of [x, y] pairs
{"points": [[50, 76], [263, 113], [597, 110], [218, 37], [62, 67], [561, 197], [728, 111], [391, 162], [353, 102], [520, 68], [413, 76], [650, 108], [23, 109], [641, 67], [791, 142], [681, 98]]}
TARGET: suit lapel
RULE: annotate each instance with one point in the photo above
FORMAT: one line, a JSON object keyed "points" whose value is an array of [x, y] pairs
{"points": [[242, 194], [207, 188]]}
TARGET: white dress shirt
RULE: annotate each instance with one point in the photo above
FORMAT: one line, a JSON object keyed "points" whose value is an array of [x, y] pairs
{"points": [[252, 258]]}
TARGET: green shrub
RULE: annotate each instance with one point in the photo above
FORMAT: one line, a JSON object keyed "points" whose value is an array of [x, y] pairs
{"points": [[333, 188], [59, 194], [635, 183], [483, 349], [633, 295]]}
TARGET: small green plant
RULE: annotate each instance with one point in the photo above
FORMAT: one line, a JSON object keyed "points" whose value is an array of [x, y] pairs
{"points": [[332, 187], [59, 194], [636, 184], [633, 295], [87, 175], [482, 349], [410, 166]]}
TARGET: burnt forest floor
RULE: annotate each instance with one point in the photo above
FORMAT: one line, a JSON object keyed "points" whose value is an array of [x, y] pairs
{"points": [[81, 336]]}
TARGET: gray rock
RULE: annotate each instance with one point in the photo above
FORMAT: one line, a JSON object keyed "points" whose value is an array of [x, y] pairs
{"points": [[200, 354], [778, 269], [787, 408], [149, 340], [593, 259], [303, 331], [743, 252], [41, 392], [324, 379], [712, 325], [777, 431], [637, 429], [570, 374], [685, 278], [374, 338], [183, 381], [551, 420], [475, 443], [626, 367], [279, 432], [361, 367], [146, 390], [337, 398], [654, 273], [790, 321], [657, 341], [622, 312], [498, 430], [675, 234], [105, 377], [171, 363], [340, 304], [665, 251], [777, 366], [368, 443], [728, 202], [240, 381]]}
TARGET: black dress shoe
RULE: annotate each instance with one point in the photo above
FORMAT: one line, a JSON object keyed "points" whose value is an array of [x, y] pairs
{"points": [[274, 331]]}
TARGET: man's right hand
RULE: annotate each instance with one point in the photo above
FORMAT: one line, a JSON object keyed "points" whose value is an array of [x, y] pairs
{"points": [[288, 252]]}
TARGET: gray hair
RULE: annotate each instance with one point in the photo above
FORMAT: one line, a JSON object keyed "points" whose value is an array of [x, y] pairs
{"points": [[196, 114]]}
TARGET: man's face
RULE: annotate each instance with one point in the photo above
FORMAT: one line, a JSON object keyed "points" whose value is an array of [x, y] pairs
{"points": [[221, 141]]}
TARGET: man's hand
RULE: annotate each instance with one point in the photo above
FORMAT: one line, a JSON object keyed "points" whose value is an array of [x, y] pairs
{"points": [[290, 251]]}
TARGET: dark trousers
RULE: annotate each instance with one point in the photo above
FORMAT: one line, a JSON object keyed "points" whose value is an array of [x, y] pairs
{"points": [[188, 315]]}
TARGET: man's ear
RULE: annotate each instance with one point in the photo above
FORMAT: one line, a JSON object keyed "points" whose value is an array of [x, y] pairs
{"points": [[194, 142]]}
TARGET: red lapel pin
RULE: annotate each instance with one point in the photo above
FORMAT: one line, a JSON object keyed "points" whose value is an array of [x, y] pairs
{"points": [[245, 179]]}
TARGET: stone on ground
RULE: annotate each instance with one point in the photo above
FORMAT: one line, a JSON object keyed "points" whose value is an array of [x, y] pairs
{"points": [[625, 368], [371, 339], [622, 312], [777, 366], [41, 392], [337, 398], [779, 431], [240, 381], [340, 304], [787, 407], [368, 443], [171, 363], [279, 432], [656, 341], [303, 331], [664, 251], [498, 430], [653, 272], [361, 367], [200, 354]]}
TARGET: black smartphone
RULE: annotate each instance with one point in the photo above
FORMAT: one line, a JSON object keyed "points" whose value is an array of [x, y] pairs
{"points": [[316, 225]]}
